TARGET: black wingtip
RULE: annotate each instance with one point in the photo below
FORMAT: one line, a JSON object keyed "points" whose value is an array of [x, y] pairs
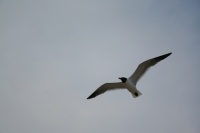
{"points": [[159, 58], [168, 54], [94, 94], [91, 96]]}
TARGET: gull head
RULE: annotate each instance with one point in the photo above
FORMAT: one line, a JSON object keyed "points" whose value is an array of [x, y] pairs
{"points": [[123, 79]]}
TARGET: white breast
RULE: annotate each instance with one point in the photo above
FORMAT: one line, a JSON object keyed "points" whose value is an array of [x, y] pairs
{"points": [[132, 88]]}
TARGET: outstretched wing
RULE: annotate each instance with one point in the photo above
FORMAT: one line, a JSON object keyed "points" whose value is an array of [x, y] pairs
{"points": [[105, 87], [144, 66]]}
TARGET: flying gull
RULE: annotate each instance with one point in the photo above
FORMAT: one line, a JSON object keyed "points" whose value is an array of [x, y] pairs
{"points": [[130, 83]]}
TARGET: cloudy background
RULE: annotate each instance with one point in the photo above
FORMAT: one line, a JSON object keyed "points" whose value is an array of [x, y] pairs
{"points": [[55, 53]]}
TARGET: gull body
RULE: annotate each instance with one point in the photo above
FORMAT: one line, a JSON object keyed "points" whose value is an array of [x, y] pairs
{"points": [[130, 83]]}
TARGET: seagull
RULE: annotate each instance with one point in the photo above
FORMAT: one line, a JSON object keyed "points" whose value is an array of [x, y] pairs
{"points": [[130, 83]]}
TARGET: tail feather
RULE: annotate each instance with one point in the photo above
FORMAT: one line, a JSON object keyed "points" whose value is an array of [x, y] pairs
{"points": [[136, 94]]}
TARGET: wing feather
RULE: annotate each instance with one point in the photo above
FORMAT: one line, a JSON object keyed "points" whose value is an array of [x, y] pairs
{"points": [[144, 66], [106, 87]]}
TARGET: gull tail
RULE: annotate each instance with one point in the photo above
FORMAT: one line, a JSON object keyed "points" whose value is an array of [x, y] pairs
{"points": [[136, 94]]}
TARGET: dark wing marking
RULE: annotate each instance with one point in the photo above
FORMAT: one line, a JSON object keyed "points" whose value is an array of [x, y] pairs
{"points": [[144, 66], [105, 87]]}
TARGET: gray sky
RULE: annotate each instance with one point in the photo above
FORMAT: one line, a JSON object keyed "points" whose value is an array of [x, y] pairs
{"points": [[54, 54]]}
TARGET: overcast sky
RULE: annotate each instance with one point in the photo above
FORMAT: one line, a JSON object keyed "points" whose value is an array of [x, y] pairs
{"points": [[55, 53]]}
